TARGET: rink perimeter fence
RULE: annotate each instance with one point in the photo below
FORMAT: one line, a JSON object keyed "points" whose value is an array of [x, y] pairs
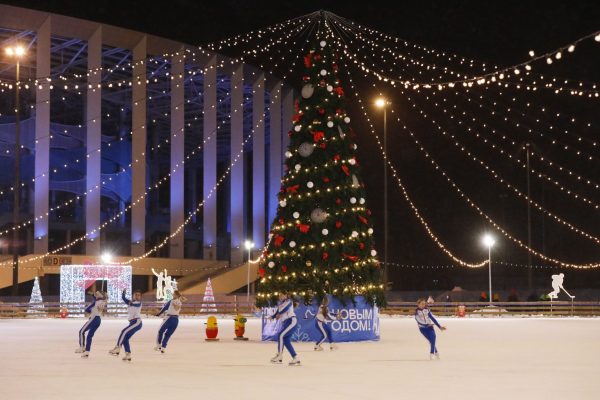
{"points": [[239, 305]]}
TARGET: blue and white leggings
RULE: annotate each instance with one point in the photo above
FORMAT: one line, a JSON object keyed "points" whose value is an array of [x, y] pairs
{"points": [[285, 336], [90, 327], [325, 330], [126, 334], [429, 334], [166, 330]]}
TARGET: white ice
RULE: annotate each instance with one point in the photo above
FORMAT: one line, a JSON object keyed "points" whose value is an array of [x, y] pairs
{"points": [[483, 359]]}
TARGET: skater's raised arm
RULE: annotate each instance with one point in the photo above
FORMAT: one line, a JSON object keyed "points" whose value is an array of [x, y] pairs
{"points": [[165, 308], [132, 303]]}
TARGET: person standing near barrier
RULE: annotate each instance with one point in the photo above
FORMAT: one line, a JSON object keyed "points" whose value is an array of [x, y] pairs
{"points": [[168, 327], [426, 320], [285, 313], [134, 314], [95, 311], [323, 318]]}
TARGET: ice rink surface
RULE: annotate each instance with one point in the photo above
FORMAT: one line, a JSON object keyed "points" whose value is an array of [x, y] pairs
{"points": [[483, 359]]}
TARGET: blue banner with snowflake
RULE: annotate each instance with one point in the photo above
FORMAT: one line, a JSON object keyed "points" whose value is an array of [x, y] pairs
{"points": [[356, 322]]}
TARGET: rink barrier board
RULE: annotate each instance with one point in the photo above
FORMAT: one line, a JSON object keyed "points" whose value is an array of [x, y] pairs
{"points": [[235, 306]]}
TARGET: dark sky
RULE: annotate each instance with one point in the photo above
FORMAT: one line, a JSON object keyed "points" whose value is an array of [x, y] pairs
{"points": [[501, 33]]}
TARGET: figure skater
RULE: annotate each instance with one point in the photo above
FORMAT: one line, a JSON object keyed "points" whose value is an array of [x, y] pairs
{"points": [[426, 320], [134, 315], [95, 311], [323, 319], [285, 313], [171, 308]]}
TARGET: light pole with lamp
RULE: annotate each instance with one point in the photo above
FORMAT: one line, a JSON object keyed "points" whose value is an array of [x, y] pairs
{"points": [[249, 244], [17, 52], [489, 241], [383, 103]]}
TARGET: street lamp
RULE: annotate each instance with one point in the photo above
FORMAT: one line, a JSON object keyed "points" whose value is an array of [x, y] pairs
{"points": [[249, 244], [17, 52], [489, 241], [106, 258], [382, 103]]}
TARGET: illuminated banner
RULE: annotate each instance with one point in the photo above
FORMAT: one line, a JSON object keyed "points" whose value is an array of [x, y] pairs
{"points": [[357, 322]]}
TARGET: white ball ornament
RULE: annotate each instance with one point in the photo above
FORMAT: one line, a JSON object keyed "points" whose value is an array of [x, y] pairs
{"points": [[373, 253], [325, 232], [323, 72], [354, 234], [282, 203], [329, 88], [353, 200], [306, 149], [352, 161], [288, 154], [307, 90], [271, 264], [318, 215], [361, 201], [347, 120], [310, 184], [297, 167], [298, 128], [296, 214], [330, 124], [322, 43], [370, 231], [292, 244]]}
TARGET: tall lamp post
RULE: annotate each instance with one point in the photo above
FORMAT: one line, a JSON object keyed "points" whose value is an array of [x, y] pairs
{"points": [[489, 241], [17, 52], [249, 246], [382, 103]]}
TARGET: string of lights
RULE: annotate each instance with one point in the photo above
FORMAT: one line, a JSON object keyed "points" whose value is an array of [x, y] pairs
{"points": [[461, 193], [258, 33], [98, 187], [381, 76], [570, 192], [375, 45], [407, 197], [500, 74], [160, 245]]}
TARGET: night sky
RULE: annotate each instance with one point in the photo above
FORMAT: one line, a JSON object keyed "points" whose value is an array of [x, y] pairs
{"points": [[498, 33]]}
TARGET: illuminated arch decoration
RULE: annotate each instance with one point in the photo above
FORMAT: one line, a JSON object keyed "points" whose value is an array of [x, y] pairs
{"points": [[76, 279]]}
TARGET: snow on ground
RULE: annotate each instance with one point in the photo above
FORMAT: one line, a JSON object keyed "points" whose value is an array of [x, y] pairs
{"points": [[484, 358]]}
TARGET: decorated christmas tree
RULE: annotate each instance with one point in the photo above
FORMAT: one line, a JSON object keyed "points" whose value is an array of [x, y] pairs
{"points": [[321, 241], [208, 301], [36, 303]]}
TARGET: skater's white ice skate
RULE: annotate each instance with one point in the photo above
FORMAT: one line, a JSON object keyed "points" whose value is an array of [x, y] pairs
{"points": [[333, 347], [115, 351], [277, 359], [318, 348], [294, 361], [80, 350], [85, 354], [127, 357]]}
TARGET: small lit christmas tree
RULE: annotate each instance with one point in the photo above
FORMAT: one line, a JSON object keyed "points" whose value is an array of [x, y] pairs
{"points": [[208, 301], [321, 241], [36, 303]]}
